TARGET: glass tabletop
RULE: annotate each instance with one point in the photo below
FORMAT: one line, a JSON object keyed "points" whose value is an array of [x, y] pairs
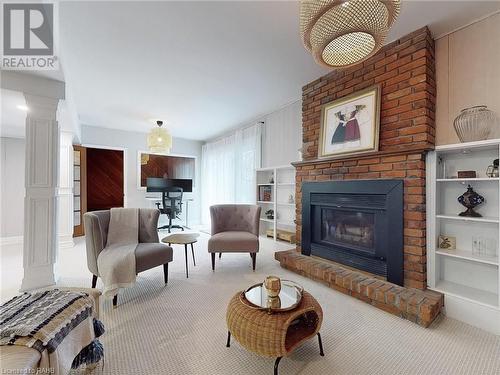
{"points": [[288, 298]]}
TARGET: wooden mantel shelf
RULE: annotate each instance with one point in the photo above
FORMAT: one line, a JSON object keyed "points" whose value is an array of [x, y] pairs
{"points": [[404, 151]]}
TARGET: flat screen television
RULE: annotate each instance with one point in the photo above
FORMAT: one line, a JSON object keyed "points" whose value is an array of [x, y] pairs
{"points": [[158, 185], [165, 167]]}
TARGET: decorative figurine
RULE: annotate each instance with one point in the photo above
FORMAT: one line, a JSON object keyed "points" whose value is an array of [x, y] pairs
{"points": [[291, 199], [470, 199], [492, 170], [271, 180], [269, 214]]}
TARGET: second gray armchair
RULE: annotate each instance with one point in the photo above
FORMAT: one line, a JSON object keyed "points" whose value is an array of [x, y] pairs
{"points": [[235, 229]]}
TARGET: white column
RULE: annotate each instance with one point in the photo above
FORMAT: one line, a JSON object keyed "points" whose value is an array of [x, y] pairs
{"points": [[65, 191], [40, 203]]}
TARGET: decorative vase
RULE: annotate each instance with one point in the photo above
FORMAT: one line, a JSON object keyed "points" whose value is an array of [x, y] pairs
{"points": [[475, 123], [470, 199], [273, 286]]}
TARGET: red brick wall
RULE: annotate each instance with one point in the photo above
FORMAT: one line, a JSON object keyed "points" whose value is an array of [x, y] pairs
{"points": [[405, 70]]}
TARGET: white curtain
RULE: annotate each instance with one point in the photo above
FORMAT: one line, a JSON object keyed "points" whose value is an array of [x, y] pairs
{"points": [[228, 169]]}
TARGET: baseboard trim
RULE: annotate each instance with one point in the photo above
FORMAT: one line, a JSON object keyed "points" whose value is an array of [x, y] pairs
{"points": [[66, 241], [13, 240]]}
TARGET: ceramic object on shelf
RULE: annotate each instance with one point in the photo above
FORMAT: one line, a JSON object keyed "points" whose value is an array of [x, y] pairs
{"points": [[466, 174], [492, 170], [269, 214], [475, 123], [291, 199], [470, 199]]}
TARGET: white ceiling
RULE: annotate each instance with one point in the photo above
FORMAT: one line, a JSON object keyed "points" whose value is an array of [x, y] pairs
{"points": [[203, 67]]}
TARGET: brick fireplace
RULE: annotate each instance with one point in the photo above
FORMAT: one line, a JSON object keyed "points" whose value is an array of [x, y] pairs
{"points": [[405, 70], [358, 223]]}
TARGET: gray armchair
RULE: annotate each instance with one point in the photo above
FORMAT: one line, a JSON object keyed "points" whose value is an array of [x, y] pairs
{"points": [[235, 229], [149, 253]]}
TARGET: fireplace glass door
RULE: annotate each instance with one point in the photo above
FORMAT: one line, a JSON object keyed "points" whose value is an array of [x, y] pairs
{"points": [[352, 229]]}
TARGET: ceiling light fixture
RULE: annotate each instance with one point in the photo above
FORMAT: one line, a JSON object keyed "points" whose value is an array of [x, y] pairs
{"points": [[159, 139], [23, 108], [342, 33]]}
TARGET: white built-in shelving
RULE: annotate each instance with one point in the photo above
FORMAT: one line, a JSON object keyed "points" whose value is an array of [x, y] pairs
{"points": [[466, 180], [465, 218], [281, 183], [469, 279]]}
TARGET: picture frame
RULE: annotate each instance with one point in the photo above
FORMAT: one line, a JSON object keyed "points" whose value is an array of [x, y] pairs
{"points": [[351, 125], [447, 242]]}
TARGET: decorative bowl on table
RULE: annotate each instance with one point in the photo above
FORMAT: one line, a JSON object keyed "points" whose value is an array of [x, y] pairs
{"points": [[273, 286], [257, 296]]}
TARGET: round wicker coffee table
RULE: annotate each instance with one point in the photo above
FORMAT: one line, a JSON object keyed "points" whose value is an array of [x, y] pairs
{"points": [[277, 334]]}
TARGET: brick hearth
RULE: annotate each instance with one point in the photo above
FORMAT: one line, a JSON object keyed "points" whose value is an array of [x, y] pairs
{"points": [[421, 307]]}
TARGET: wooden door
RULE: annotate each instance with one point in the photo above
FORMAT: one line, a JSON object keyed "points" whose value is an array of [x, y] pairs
{"points": [[104, 179], [79, 189]]}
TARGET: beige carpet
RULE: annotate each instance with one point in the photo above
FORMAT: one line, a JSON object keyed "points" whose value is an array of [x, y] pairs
{"points": [[180, 329]]}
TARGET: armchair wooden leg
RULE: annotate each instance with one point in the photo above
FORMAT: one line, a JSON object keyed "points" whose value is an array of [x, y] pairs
{"points": [[94, 281], [165, 272], [213, 261], [115, 300], [254, 259]]}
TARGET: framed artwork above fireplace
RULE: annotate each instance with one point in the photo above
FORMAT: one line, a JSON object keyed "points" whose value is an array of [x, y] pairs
{"points": [[350, 125]]}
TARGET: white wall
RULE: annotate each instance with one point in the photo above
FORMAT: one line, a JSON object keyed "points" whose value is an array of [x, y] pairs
{"points": [[467, 74], [282, 135], [12, 187], [134, 142]]}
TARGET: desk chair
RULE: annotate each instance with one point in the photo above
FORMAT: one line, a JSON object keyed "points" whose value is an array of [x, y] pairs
{"points": [[172, 206]]}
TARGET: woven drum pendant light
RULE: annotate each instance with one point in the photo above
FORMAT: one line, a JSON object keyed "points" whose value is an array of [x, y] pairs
{"points": [[342, 33], [159, 139]]}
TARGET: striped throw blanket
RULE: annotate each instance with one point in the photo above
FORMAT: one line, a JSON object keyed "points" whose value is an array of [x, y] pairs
{"points": [[59, 324]]}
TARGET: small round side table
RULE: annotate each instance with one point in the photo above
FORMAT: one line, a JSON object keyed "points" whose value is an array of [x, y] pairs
{"points": [[183, 239], [276, 334]]}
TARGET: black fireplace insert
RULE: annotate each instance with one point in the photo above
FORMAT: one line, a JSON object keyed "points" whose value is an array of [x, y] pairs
{"points": [[356, 223]]}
